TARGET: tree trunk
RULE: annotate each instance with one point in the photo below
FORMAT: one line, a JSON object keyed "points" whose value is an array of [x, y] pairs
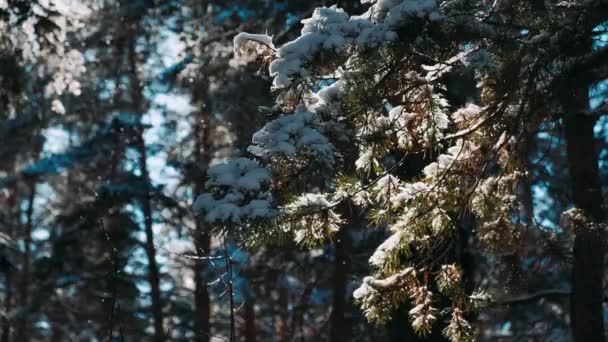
{"points": [[586, 301], [57, 334], [13, 215], [297, 319], [153, 274], [250, 330], [201, 292], [22, 330], [8, 299], [202, 239], [283, 311], [338, 332]]}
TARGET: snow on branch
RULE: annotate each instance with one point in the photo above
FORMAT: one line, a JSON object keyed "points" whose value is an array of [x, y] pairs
{"points": [[244, 42], [293, 134], [238, 191], [392, 282], [331, 29], [312, 218]]}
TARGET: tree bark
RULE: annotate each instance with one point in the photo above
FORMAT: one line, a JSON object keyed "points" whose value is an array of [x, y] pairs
{"points": [[588, 266], [8, 306], [153, 274], [13, 215], [201, 292], [283, 312], [297, 319], [202, 239], [250, 329]]}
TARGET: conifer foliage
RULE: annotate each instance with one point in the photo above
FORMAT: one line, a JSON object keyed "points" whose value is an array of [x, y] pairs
{"points": [[358, 97], [297, 170]]}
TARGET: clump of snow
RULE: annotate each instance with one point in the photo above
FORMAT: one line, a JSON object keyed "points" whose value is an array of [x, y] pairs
{"points": [[438, 70], [425, 126], [310, 200], [329, 94], [386, 187], [297, 133], [462, 150], [402, 11], [401, 120], [331, 29], [383, 252], [410, 191], [242, 174], [309, 203], [247, 41], [57, 107], [364, 290], [238, 192], [366, 160], [315, 218], [327, 29], [470, 111]]}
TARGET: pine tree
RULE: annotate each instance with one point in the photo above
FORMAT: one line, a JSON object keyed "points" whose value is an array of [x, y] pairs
{"points": [[374, 86]]}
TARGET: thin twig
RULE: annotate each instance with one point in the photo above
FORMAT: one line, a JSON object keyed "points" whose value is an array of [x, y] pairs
{"points": [[230, 290], [115, 270]]}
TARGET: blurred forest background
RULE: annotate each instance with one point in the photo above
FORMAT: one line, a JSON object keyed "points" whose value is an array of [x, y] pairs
{"points": [[111, 112]]}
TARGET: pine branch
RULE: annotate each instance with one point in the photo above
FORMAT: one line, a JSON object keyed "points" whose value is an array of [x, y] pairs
{"points": [[527, 297]]}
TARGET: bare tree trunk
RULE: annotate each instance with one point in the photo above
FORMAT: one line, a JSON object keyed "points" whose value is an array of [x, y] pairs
{"points": [[201, 292], [202, 239], [250, 331], [249, 316], [8, 306], [153, 274], [586, 301], [57, 334], [13, 215], [22, 331], [297, 319], [113, 252], [338, 332], [115, 158], [283, 312]]}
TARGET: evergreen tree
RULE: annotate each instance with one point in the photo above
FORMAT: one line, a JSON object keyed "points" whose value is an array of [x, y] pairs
{"points": [[351, 170], [359, 96]]}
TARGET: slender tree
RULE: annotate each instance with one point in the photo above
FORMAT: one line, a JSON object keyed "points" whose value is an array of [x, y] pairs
{"points": [[202, 239], [138, 107]]}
